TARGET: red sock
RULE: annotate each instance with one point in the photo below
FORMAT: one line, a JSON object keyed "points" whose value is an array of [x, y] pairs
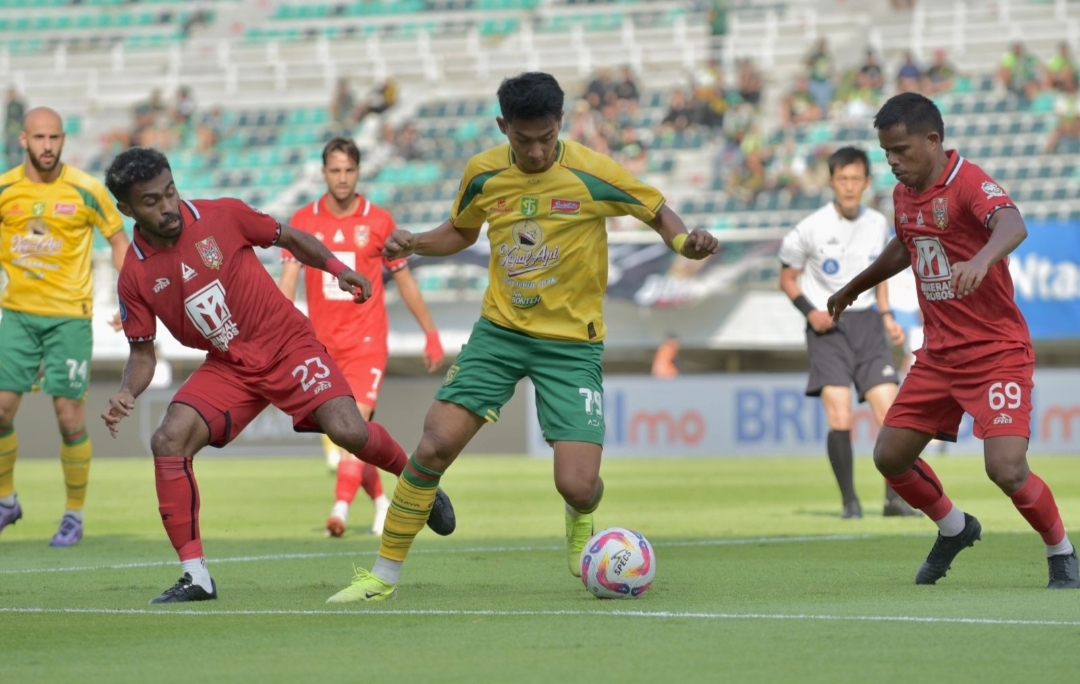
{"points": [[921, 488], [349, 475], [178, 503], [382, 451], [370, 481], [1036, 503]]}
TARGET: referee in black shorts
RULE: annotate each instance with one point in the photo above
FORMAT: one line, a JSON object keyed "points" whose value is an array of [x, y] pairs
{"points": [[822, 253]]}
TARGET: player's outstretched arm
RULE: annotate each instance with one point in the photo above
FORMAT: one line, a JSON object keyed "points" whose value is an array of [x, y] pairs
{"points": [[893, 259], [410, 294], [698, 244], [1007, 231], [138, 372], [310, 252], [445, 240]]}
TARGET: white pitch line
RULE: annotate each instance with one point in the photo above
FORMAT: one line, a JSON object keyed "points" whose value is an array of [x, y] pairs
{"points": [[478, 549], [562, 613]]}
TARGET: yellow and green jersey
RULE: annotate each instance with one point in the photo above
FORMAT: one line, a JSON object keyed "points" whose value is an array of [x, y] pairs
{"points": [[46, 240], [548, 236]]}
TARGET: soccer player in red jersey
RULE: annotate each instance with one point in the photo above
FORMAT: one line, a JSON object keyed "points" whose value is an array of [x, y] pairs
{"points": [[354, 230], [192, 265], [956, 227]]}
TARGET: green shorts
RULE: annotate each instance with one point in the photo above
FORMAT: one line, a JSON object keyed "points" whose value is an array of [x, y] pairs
{"points": [[568, 376], [62, 345]]}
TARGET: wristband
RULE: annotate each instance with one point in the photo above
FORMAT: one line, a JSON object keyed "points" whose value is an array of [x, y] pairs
{"points": [[334, 267], [678, 241], [803, 304], [887, 312]]}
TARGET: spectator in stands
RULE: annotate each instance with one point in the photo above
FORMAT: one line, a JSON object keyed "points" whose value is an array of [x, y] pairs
{"points": [[14, 112], [385, 151], [1066, 108], [940, 76], [710, 102], [908, 76], [630, 151], [861, 102], [343, 107], [800, 106], [211, 130], [145, 131], [666, 360], [1061, 69], [820, 83], [382, 98], [585, 125], [410, 147], [626, 90], [871, 69], [200, 15], [1019, 72], [597, 91], [750, 177], [750, 82], [680, 113], [182, 113]]}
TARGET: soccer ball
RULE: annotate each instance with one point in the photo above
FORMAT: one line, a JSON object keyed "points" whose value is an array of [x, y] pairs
{"points": [[617, 563]]}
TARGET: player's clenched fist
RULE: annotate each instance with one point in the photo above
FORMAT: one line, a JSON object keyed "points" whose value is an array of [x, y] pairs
{"points": [[359, 286], [398, 245], [120, 406], [699, 244]]}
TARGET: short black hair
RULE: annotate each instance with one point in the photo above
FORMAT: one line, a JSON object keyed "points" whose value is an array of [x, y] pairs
{"points": [[340, 144], [135, 165], [917, 112], [846, 156], [532, 96]]}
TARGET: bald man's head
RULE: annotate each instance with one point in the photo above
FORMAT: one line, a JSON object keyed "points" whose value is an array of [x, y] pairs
{"points": [[42, 137]]}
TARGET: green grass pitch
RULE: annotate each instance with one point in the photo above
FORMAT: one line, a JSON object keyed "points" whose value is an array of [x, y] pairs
{"points": [[758, 580]]}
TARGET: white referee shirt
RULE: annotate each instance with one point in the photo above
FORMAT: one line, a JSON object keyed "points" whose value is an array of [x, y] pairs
{"points": [[831, 250]]}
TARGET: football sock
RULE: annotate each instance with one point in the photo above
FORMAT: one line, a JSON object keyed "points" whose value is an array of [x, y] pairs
{"points": [[387, 570], [75, 452], [74, 513], [920, 487], [1036, 503], [9, 451], [594, 503], [196, 567], [340, 511], [349, 473], [371, 482], [1062, 548], [414, 496], [382, 451], [178, 503], [842, 460]]}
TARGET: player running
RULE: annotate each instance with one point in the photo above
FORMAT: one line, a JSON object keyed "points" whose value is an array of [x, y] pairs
{"points": [[955, 227], [192, 264], [354, 230], [545, 201], [48, 211]]}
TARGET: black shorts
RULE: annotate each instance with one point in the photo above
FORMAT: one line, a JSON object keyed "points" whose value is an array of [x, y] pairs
{"points": [[855, 351]]}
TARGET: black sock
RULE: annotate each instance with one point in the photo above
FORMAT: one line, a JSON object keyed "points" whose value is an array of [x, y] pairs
{"points": [[842, 460]]}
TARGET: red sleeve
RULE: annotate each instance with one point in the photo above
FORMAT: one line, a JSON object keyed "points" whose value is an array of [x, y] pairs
{"points": [[897, 211], [257, 229], [296, 222], [136, 316], [983, 197], [390, 226]]}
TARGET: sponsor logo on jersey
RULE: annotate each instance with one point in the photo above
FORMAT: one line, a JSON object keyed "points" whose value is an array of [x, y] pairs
{"points": [[361, 235], [904, 219], [187, 271], [561, 207], [500, 207], [992, 190], [528, 252], [830, 266], [64, 209], [941, 212], [530, 206], [522, 302], [210, 252], [1003, 419], [161, 284], [15, 210], [37, 208], [210, 314], [339, 237], [933, 270], [35, 244]]}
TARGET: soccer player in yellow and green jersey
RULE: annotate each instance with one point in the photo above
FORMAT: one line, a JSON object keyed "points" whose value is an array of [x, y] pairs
{"points": [[48, 212], [545, 202]]}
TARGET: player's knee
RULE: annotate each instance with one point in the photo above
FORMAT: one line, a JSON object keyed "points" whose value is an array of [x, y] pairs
{"points": [[435, 451], [351, 437], [1008, 476], [577, 490], [887, 460], [170, 440]]}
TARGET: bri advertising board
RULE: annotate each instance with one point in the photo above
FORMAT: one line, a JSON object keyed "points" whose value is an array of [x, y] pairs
{"points": [[1045, 270], [769, 415]]}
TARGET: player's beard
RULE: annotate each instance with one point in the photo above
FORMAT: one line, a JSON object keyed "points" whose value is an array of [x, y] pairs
{"points": [[40, 166]]}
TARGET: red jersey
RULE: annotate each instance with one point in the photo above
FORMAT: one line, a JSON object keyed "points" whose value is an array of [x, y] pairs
{"points": [[357, 241], [945, 225], [210, 289]]}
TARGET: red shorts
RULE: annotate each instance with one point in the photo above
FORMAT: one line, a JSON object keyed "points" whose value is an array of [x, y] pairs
{"points": [[364, 373], [303, 379], [996, 391]]}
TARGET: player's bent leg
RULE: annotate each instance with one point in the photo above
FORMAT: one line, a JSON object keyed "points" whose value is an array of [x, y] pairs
{"points": [[880, 397], [10, 510], [75, 454], [577, 478], [836, 401], [352, 474]]}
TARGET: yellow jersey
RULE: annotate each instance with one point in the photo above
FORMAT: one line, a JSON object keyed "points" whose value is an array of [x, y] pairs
{"points": [[548, 236], [46, 240]]}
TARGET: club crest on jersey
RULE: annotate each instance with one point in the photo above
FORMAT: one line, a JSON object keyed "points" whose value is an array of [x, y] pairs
{"points": [[38, 208], [210, 253], [361, 235], [941, 212], [992, 190], [530, 206]]}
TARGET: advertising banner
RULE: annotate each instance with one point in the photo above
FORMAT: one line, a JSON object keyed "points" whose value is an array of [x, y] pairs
{"points": [[1046, 272]]}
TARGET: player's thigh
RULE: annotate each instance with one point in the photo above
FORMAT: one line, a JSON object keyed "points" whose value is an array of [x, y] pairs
{"points": [[837, 403], [21, 350], [997, 393], [302, 381], [569, 381], [364, 373], [225, 401], [183, 432], [873, 354], [832, 361], [68, 344], [483, 376], [925, 404], [577, 469]]}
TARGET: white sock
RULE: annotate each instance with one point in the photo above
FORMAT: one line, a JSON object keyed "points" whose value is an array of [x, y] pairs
{"points": [[573, 513], [196, 567], [1062, 548], [340, 511], [952, 524], [74, 514], [8, 500], [387, 570]]}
